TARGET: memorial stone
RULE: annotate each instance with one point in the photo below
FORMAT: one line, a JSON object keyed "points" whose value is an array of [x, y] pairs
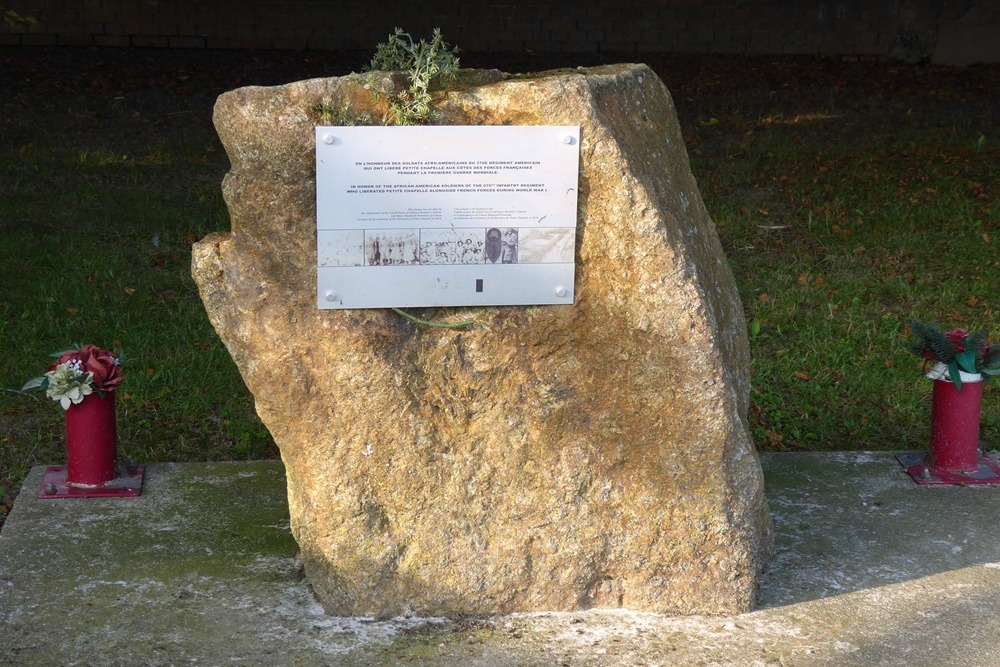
{"points": [[544, 458]]}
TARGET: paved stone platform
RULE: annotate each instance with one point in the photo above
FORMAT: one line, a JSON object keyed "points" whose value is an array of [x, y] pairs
{"points": [[869, 569]]}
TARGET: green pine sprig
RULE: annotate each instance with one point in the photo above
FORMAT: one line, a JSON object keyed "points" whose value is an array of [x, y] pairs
{"points": [[929, 336], [977, 357]]}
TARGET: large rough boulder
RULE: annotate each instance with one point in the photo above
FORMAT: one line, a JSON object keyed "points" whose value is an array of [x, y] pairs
{"points": [[547, 458]]}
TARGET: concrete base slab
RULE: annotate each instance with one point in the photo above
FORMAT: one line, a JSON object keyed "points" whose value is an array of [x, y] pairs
{"points": [[870, 569]]}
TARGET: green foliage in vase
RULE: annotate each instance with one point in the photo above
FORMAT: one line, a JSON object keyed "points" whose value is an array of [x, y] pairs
{"points": [[957, 349]]}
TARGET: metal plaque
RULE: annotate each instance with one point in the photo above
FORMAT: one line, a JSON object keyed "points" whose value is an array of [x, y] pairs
{"points": [[446, 215]]}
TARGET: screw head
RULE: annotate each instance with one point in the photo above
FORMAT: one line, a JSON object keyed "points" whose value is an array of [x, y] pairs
{"points": [[330, 296], [561, 291], [328, 139]]}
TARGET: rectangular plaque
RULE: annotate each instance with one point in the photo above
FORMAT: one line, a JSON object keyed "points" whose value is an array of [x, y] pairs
{"points": [[446, 215]]}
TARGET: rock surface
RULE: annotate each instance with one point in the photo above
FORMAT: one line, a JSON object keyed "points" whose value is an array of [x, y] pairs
{"points": [[547, 458]]}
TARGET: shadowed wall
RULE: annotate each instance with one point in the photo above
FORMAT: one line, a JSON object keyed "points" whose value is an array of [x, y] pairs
{"points": [[959, 32]]}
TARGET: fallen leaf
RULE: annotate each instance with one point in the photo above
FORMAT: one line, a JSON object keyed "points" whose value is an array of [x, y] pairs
{"points": [[129, 290], [972, 301], [802, 375], [803, 279], [775, 439], [73, 311]]}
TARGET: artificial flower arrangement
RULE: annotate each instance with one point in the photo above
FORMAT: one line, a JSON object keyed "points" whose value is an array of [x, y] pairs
{"points": [[77, 373], [955, 352]]}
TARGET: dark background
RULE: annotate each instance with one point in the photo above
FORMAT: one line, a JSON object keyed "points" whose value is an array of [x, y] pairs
{"points": [[959, 32]]}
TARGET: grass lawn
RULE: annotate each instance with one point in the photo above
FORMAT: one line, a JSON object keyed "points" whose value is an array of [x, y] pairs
{"points": [[850, 198]]}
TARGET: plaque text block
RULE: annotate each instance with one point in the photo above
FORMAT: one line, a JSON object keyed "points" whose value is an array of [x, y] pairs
{"points": [[446, 215]]}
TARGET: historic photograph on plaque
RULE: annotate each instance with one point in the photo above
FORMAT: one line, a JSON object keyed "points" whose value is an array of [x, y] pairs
{"points": [[446, 215]]}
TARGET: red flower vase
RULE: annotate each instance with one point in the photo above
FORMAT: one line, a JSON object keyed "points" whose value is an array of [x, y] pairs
{"points": [[91, 441], [955, 427], [954, 457], [92, 469]]}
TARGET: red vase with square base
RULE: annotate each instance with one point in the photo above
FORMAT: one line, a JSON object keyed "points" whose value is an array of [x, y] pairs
{"points": [[954, 457], [92, 468]]}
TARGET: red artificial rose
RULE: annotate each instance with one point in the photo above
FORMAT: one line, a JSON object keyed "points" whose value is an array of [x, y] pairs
{"points": [[957, 338], [102, 363]]}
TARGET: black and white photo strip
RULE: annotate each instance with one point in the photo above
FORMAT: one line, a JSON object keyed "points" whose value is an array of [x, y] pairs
{"points": [[452, 246], [394, 247], [445, 246]]}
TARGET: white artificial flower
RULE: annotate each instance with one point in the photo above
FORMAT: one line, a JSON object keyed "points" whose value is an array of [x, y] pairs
{"points": [[75, 395], [67, 385]]}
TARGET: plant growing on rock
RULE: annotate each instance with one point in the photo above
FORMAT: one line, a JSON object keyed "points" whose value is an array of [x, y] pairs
{"points": [[327, 113], [421, 62]]}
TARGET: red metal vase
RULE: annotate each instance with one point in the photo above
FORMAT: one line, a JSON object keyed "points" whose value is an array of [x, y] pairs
{"points": [[91, 441], [954, 457], [92, 469], [955, 427]]}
